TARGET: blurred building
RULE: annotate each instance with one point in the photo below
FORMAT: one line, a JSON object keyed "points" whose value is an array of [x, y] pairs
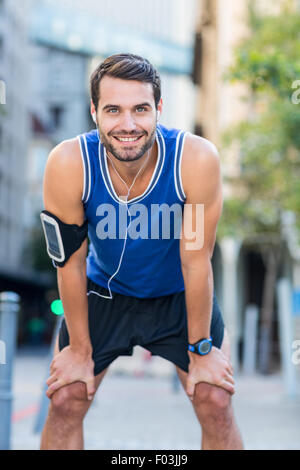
{"points": [[58, 91], [16, 274], [14, 135], [13, 131], [59, 110]]}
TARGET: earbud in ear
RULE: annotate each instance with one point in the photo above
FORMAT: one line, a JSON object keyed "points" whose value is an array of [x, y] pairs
{"points": [[158, 114], [94, 118]]}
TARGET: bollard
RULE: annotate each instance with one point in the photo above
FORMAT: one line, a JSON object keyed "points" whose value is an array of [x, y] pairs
{"points": [[57, 309], [250, 339], [9, 307], [284, 296]]}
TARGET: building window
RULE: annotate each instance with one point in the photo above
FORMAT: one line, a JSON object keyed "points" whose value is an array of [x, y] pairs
{"points": [[198, 130], [197, 65], [56, 116]]}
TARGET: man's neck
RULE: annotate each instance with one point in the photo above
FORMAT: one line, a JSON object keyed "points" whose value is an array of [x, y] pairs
{"points": [[128, 170]]}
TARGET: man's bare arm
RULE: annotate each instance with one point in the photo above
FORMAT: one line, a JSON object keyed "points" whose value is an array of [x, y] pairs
{"points": [[202, 184], [63, 184], [201, 177]]}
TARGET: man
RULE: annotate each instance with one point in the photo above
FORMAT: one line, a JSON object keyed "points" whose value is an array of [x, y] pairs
{"points": [[141, 283]]}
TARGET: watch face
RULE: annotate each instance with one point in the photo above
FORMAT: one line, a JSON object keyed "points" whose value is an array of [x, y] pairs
{"points": [[204, 347]]}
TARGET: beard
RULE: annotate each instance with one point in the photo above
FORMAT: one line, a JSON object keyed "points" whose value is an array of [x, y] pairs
{"points": [[128, 155]]}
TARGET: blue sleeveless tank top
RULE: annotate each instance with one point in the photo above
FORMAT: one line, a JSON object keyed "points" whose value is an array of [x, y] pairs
{"points": [[136, 242]]}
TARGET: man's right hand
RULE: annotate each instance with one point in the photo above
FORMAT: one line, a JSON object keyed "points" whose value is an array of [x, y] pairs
{"points": [[70, 366]]}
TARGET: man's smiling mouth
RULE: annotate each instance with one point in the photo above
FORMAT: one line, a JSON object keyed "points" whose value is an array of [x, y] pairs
{"points": [[128, 139]]}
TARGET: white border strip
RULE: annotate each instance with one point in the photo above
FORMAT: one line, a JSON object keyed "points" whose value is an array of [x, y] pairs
{"points": [[100, 150], [89, 168], [83, 164], [179, 166], [175, 166]]}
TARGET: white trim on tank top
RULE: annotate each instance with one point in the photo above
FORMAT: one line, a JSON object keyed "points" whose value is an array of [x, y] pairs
{"points": [[178, 158], [85, 176]]}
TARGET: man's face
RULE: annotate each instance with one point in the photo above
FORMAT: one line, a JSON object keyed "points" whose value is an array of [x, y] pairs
{"points": [[126, 117]]}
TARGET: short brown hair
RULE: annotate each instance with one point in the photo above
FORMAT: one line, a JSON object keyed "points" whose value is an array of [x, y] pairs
{"points": [[127, 67]]}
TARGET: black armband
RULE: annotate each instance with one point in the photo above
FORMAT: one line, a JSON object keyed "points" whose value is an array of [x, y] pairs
{"points": [[62, 239]]}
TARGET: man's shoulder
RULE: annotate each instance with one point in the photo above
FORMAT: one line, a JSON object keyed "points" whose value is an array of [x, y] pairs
{"points": [[64, 166], [66, 154], [194, 144], [200, 163], [200, 149], [199, 154], [69, 150]]}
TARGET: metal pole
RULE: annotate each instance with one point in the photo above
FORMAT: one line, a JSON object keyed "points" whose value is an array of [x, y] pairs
{"points": [[250, 339], [9, 307], [284, 294], [230, 249]]}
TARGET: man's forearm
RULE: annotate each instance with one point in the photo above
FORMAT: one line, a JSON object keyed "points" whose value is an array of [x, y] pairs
{"points": [[198, 280], [72, 284]]}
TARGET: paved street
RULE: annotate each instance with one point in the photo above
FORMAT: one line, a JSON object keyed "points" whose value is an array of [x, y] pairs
{"points": [[135, 410]]}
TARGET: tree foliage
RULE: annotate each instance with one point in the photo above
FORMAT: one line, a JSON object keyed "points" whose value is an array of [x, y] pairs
{"points": [[267, 61]]}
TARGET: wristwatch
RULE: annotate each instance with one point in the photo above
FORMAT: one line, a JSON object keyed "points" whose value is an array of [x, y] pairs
{"points": [[202, 347]]}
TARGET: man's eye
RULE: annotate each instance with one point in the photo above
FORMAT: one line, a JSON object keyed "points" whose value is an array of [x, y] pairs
{"points": [[112, 110], [140, 109]]}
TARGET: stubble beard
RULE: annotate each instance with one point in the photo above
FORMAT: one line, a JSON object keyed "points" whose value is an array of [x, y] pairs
{"points": [[128, 157]]}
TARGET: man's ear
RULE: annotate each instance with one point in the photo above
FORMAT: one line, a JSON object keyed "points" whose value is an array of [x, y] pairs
{"points": [[93, 112], [159, 109]]}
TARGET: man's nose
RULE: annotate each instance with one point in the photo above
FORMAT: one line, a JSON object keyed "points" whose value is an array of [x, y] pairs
{"points": [[128, 122]]}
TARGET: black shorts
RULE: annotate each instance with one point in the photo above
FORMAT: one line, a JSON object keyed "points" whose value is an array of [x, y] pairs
{"points": [[156, 324]]}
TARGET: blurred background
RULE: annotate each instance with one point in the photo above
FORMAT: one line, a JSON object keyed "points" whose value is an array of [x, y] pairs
{"points": [[230, 73]]}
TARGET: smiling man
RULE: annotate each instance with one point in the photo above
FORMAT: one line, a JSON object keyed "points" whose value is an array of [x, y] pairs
{"points": [[155, 291]]}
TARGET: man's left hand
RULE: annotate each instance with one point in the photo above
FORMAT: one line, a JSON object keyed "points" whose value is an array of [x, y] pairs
{"points": [[214, 368]]}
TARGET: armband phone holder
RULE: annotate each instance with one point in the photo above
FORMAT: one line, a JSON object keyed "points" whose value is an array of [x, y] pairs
{"points": [[62, 239]]}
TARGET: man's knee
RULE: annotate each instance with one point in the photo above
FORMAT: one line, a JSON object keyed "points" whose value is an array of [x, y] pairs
{"points": [[70, 401], [211, 400]]}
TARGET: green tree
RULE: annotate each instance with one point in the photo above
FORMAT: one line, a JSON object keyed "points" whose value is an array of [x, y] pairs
{"points": [[267, 61]]}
